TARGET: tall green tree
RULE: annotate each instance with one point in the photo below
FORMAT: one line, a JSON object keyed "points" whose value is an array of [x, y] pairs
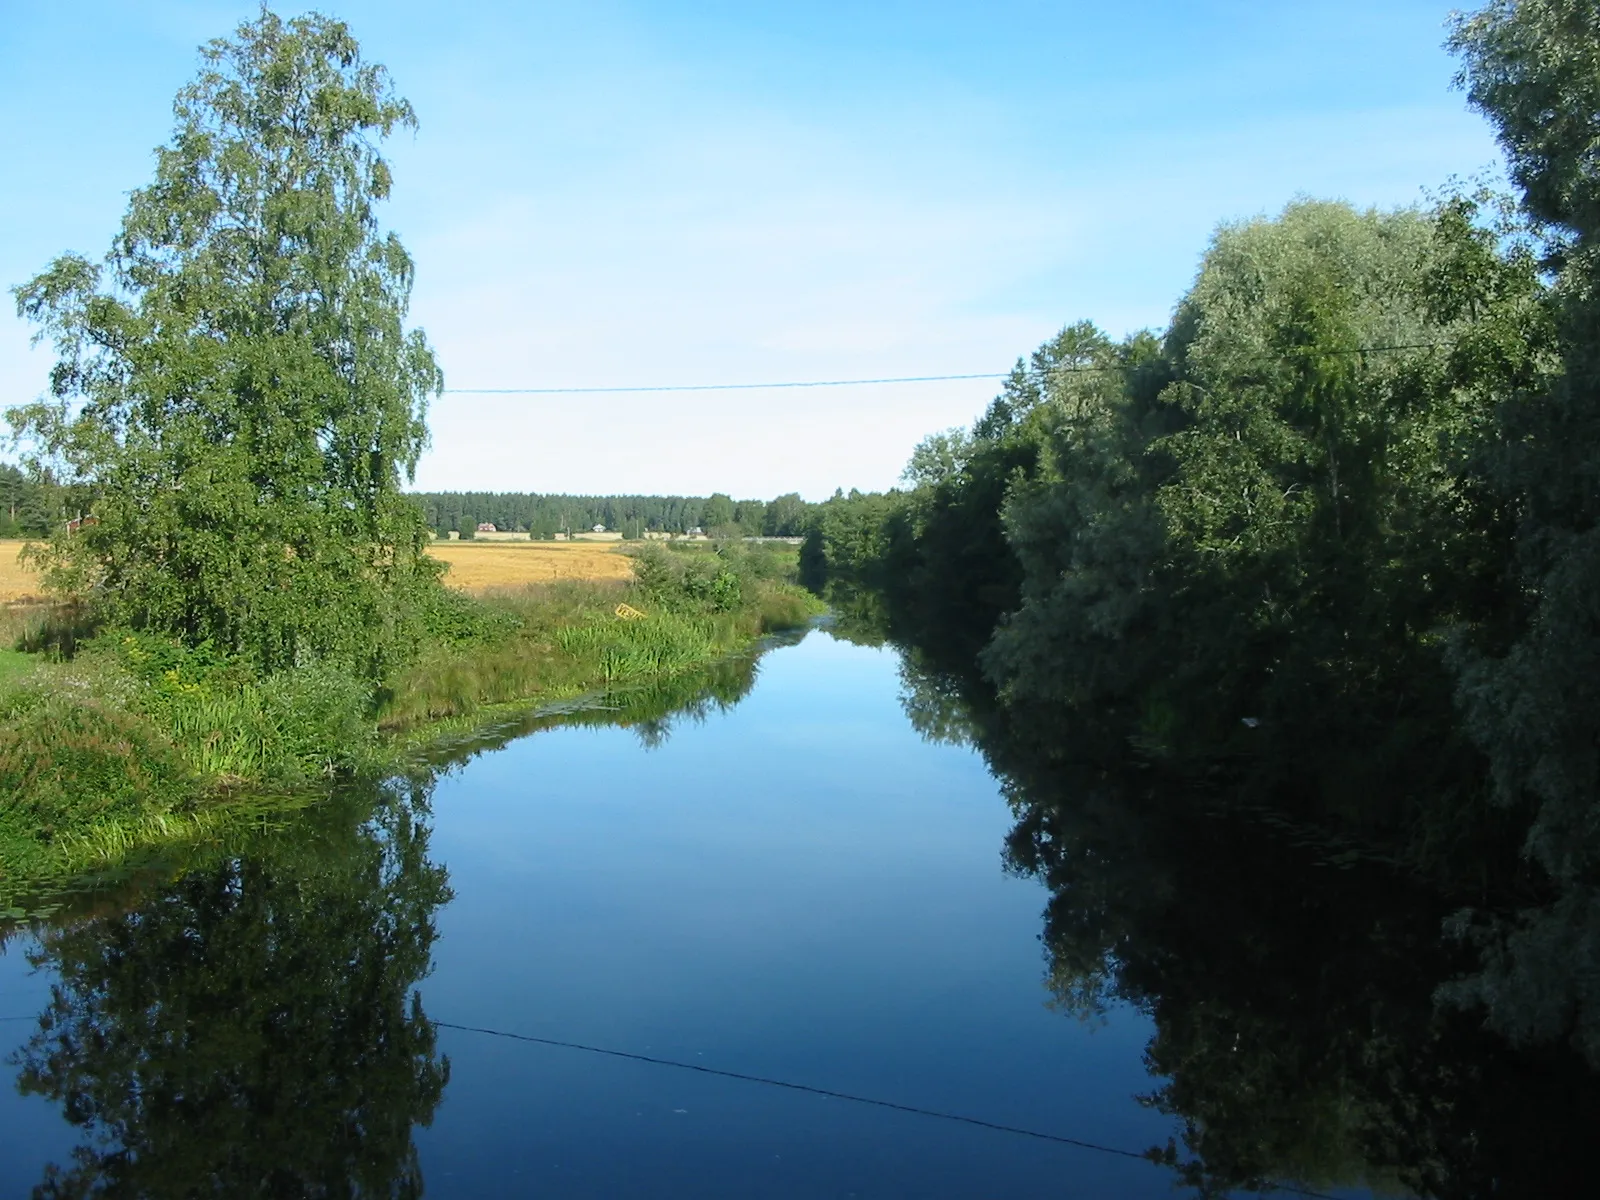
{"points": [[750, 515], [785, 516], [718, 512], [235, 384], [1533, 68], [29, 503]]}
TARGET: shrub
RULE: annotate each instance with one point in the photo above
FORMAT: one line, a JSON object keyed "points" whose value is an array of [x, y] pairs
{"points": [[73, 756], [457, 619], [786, 608]]}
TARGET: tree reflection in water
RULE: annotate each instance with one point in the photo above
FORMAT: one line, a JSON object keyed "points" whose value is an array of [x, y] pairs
{"points": [[247, 1022], [253, 1028], [1293, 978]]}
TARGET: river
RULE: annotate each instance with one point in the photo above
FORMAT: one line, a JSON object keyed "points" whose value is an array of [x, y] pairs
{"points": [[760, 941]]}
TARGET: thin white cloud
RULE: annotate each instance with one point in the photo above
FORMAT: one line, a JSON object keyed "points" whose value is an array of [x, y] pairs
{"points": [[595, 200]]}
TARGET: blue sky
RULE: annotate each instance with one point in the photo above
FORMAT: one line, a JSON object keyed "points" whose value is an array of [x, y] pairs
{"points": [[654, 193]]}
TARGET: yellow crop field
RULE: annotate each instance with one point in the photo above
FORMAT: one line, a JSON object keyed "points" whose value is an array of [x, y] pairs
{"points": [[16, 581], [472, 567], [479, 567]]}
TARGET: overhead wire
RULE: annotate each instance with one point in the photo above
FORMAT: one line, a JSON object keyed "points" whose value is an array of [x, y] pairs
{"points": [[831, 1094], [827, 1093], [1034, 372]]}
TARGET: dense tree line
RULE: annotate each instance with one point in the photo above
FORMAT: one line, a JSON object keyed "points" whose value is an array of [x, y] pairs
{"points": [[543, 516], [30, 505], [1334, 533]]}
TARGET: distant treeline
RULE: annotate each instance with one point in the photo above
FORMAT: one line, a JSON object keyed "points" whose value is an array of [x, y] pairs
{"points": [[543, 516], [30, 506], [1331, 540]]}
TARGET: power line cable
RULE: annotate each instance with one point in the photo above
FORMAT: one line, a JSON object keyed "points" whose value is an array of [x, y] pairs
{"points": [[835, 1095], [1035, 372], [717, 387], [828, 1093]]}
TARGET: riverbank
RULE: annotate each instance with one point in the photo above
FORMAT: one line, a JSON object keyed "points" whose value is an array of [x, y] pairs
{"points": [[134, 741]]}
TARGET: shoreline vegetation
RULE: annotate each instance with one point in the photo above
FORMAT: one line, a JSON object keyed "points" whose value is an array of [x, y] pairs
{"points": [[1327, 547], [113, 743], [248, 608]]}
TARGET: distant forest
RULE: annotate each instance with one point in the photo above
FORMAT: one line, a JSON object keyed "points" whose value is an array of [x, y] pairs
{"points": [[544, 516], [29, 507]]}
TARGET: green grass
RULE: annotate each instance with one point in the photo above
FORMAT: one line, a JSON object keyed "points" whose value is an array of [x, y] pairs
{"points": [[14, 664], [137, 742], [569, 640]]}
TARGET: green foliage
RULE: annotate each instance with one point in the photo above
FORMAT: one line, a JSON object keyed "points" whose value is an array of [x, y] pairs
{"points": [[1331, 539], [303, 723], [1532, 694], [750, 516], [848, 537], [1256, 535], [235, 386], [660, 645], [784, 609], [1533, 68], [718, 512], [52, 630], [785, 516], [696, 603], [690, 580], [31, 504], [451, 618], [74, 756], [13, 665]]}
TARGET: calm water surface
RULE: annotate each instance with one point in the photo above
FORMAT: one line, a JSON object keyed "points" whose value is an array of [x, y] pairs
{"points": [[796, 887]]}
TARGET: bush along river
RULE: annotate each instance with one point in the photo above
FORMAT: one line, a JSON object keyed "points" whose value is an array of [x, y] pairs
{"points": [[807, 925]]}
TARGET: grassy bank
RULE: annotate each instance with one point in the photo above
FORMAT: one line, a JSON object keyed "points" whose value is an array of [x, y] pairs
{"points": [[111, 741]]}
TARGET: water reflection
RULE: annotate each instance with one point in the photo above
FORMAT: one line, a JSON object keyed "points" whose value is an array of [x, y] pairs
{"points": [[253, 1027], [1293, 978], [245, 1019], [652, 709]]}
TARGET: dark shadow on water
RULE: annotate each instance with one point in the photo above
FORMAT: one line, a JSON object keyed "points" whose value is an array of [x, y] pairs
{"points": [[1294, 972]]}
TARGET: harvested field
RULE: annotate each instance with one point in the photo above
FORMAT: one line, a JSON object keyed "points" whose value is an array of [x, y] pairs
{"points": [[16, 581], [473, 568], [481, 568]]}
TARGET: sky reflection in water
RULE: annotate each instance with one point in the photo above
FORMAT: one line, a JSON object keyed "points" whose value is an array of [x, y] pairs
{"points": [[796, 887]]}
